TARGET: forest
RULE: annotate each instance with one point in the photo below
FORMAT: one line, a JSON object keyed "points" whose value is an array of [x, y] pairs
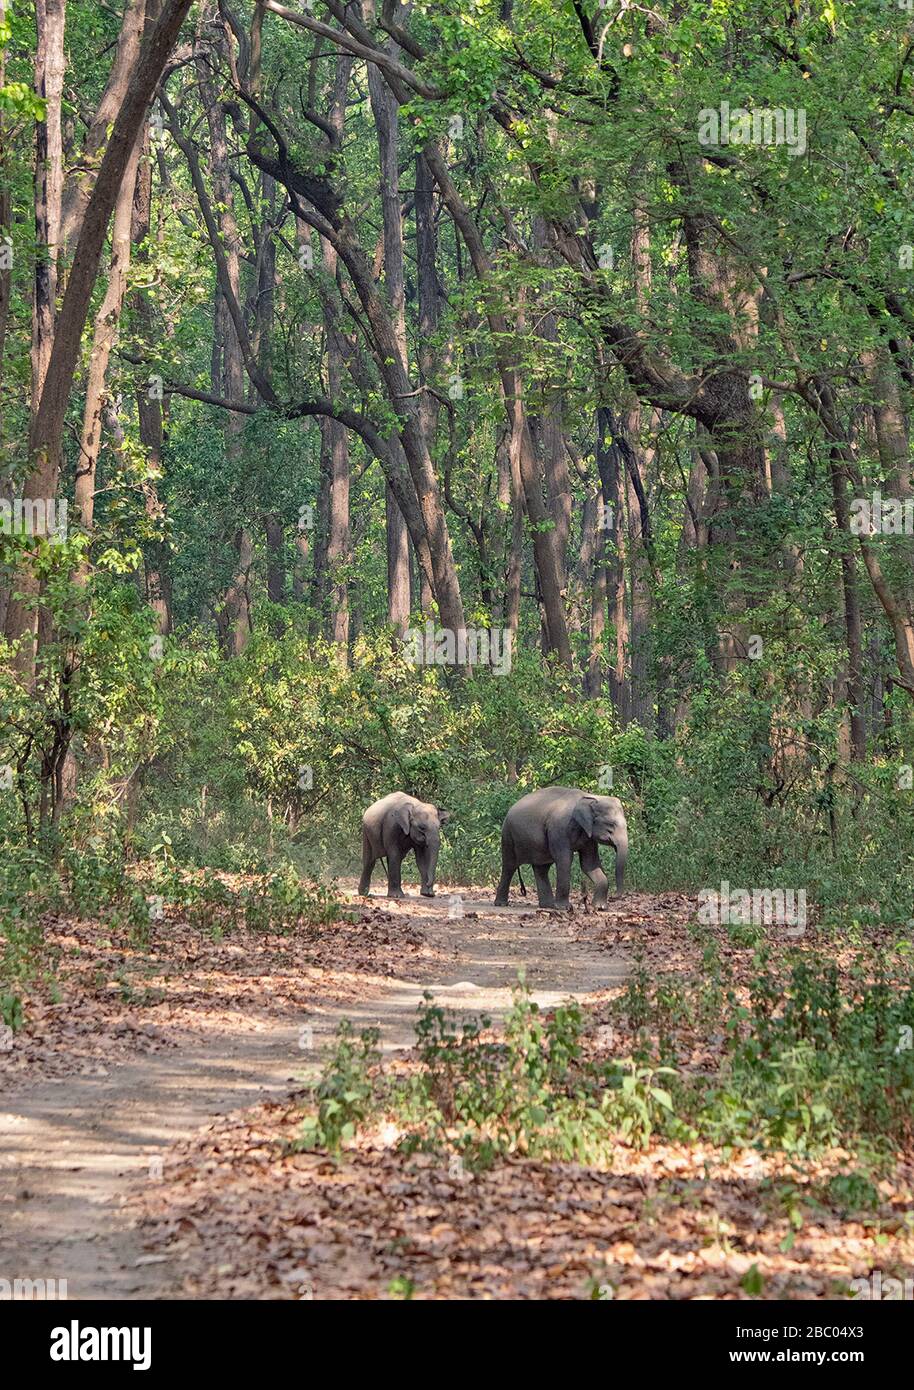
{"points": [[458, 399]]}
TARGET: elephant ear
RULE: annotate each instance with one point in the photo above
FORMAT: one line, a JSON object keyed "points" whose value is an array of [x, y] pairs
{"points": [[443, 816], [403, 818], [583, 814]]}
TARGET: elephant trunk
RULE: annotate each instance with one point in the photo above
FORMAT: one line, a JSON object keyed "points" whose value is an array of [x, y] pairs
{"points": [[427, 859], [621, 843]]}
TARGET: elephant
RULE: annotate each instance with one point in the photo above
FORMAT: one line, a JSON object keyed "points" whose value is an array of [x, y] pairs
{"points": [[390, 829], [551, 825]]}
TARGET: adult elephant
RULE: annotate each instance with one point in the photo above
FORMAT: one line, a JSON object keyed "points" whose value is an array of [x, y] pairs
{"points": [[549, 827], [391, 829]]}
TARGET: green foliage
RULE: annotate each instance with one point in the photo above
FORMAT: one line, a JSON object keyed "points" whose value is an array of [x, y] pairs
{"points": [[29, 888], [401, 1289], [11, 1014], [700, 806], [99, 693], [829, 1069], [514, 1096], [806, 1065], [852, 1192], [738, 774], [531, 1093], [280, 902], [344, 1094]]}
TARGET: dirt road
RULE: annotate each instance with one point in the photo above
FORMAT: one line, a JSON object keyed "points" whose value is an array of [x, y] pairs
{"points": [[72, 1150]]}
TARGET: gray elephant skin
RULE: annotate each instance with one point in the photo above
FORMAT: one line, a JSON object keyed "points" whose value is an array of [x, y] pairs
{"points": [[551, 826], [392, 828]]}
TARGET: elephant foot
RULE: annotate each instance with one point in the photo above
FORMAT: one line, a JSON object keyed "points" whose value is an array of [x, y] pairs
{"points": [[599, 904], [399, 895], [501, 902], [364, 890], [430, 893], [562, 905]]}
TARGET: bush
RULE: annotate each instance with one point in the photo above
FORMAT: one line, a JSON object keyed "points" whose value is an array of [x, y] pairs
{"points": [[808, 1064], [344, 1094], [530, 1094], [827, 1068]]}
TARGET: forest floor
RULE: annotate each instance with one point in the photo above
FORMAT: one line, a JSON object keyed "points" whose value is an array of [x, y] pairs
{"points": [[148, 1105]]}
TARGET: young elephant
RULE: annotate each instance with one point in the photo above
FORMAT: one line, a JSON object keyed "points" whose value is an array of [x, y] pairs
{"points": [[390, 829], [549, 827]]}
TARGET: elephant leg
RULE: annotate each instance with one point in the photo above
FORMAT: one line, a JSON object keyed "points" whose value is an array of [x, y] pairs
{"points": [[509, 863], [590, 863], [369, 859], [504, 885], [426, 872], [394, 886], [508, 870], [563, 878], [543, 886]]}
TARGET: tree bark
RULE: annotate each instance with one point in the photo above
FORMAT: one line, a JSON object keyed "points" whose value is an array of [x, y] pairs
{"points": [[22, 612], [46, 433], [610, 467], [6, 283], [150, 408], [384, 110], [236, 620], [545, 550], [48, 430], [854, 680], [137, 14], [107, 324]]}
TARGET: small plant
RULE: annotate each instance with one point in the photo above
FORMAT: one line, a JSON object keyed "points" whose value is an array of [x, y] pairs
{"points": [[633, 1105], [851, 1192], [281, 902], [635, 1004], [744, 934], [345, 1092], [401, 1289], [11, 1013]]}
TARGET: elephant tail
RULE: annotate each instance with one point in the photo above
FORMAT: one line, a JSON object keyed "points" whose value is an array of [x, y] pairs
{"points": [[521, 882]]}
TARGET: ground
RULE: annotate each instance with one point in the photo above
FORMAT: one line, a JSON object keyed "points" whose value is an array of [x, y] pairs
{"points": [[148, 1104]]}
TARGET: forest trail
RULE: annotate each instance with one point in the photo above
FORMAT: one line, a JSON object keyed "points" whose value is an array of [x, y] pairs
{"points": [[72, 1150]]}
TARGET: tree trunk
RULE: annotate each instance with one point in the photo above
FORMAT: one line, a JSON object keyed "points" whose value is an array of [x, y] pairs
{"points": [[545, 551], [386, 119], [150, 408], [593, 680], [6, 283], [851, 610], [338, 496], [551, 433], [137, 14], [45, 445], [22, 615], [236, 621], [638, 462], [610, 466], [107, 324]]}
